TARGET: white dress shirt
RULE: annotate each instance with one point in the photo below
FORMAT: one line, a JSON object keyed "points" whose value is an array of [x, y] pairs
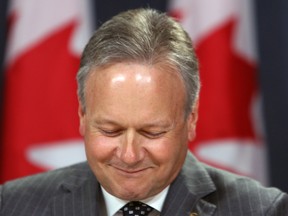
{"points": [[114, 204]]}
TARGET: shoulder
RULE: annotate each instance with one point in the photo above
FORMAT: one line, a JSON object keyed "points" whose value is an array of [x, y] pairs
{"points": [[38, 181], [244, 194], [42, 186]]}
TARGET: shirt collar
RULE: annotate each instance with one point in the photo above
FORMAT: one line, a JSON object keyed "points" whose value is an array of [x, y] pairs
{"points": [[113, 204]]}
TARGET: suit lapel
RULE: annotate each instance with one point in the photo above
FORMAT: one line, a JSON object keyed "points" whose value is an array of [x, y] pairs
{"points": [[79, 195], [186, 193]]}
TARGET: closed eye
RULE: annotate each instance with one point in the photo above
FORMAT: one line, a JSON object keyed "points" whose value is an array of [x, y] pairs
{"points": [[153, 135], [110, 133]]}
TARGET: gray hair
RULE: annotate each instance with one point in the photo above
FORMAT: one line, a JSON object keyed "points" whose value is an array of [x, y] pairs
{"points": [[142, 36]]}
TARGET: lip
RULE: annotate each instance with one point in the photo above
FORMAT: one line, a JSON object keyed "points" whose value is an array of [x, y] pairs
{"points": [[130, 172]]}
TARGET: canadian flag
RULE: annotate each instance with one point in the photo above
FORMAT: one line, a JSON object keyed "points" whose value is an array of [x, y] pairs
{"points": [[45, 41], [229, 131]]}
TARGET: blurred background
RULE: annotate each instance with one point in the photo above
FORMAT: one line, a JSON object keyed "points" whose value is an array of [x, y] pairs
{"points": [[243, 52]]}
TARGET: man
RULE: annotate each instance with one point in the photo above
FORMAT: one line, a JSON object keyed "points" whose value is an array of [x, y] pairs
{"points": [[138, 88]]}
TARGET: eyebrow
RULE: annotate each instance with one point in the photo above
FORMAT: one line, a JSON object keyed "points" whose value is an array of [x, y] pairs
{"points": [[156, 123], [161, 124], [104, 121]]}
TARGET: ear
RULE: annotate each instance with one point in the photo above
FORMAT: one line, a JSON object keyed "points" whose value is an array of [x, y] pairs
{"points": [[81, 115], [192, 120]]}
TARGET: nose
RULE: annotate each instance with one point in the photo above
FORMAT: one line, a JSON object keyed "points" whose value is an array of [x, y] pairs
{"points": [[130, 150]]}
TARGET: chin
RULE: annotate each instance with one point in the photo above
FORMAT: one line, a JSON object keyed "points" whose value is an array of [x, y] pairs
{"points": [[131, 194], [132, 197]]}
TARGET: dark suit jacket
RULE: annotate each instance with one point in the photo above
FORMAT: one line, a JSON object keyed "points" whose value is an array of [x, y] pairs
{"points": [[74, 191]]}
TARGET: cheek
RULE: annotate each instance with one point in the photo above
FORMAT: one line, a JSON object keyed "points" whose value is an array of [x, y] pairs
{"points": [[99, 148], [171, 150], [166, 150]]}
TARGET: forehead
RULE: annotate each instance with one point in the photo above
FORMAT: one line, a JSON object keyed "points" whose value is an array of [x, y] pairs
{"points": [[135, 74], [125, 85]]}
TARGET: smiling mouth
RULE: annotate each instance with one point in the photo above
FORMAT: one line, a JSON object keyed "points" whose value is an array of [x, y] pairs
{"points": [[130, 171]]}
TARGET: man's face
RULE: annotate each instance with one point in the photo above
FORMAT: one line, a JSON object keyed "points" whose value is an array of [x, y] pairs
{"points": [[135, 129]]}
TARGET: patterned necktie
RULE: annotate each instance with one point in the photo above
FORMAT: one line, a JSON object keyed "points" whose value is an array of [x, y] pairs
{"points": [[136, 208]]}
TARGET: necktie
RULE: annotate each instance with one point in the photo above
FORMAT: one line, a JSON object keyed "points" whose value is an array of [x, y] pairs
{"points": [[136, 208]]}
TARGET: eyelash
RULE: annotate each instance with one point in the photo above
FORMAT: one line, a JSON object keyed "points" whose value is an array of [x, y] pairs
{"points": [[110, 133], [150, 135]]}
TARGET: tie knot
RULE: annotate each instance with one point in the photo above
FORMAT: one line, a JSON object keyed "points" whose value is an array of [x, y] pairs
{"points": [[136, 208]]}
